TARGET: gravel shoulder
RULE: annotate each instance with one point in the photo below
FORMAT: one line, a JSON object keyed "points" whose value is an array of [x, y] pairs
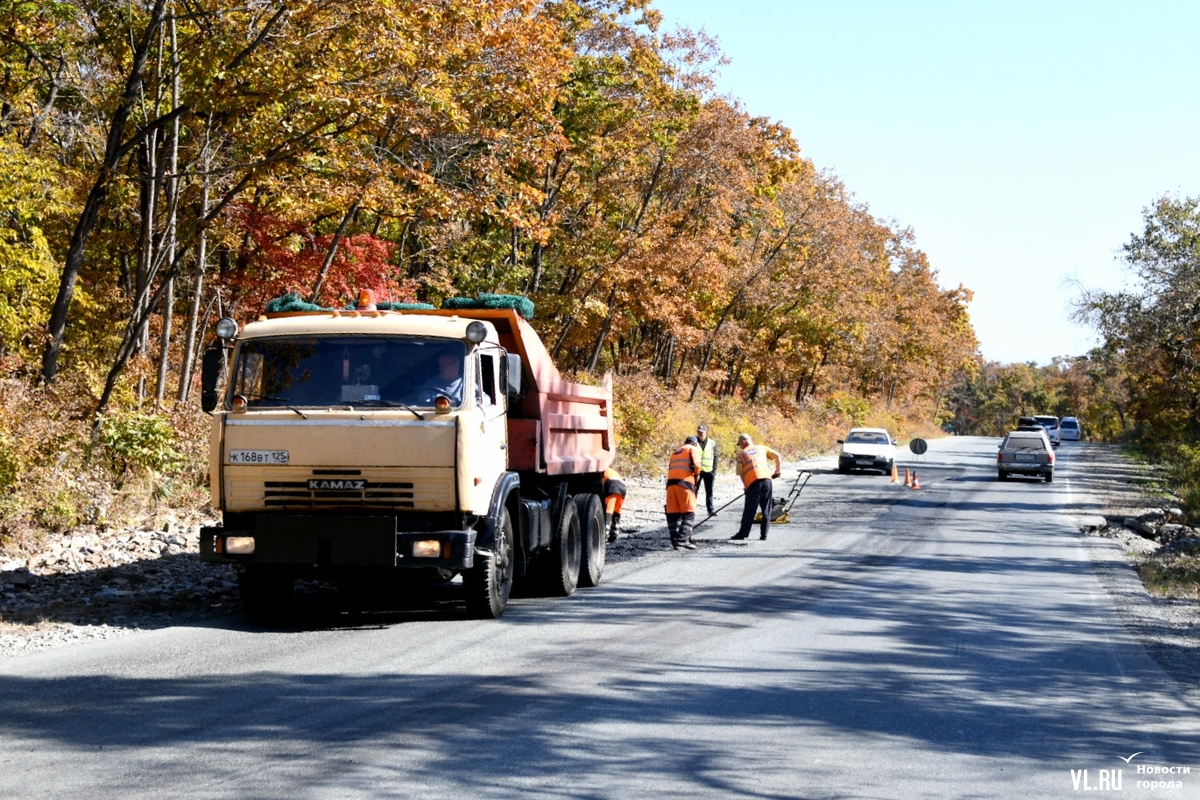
{"points": [[91, 584], [1120, 521]]}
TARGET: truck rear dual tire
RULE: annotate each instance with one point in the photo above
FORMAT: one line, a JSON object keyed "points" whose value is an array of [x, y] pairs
{"points": [[595, 540], [560, 575], [489, 583], [576, 558]]}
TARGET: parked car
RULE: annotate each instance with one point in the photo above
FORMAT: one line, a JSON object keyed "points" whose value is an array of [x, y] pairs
{"points": [[1069, 430], [1025, 452], [867, 448], [1050, 423]]}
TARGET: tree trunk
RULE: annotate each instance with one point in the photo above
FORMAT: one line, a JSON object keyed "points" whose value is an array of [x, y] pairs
{"points": [[114, 151], [332, 252], [193, 321], [762, 268], [172, 231], [164, 345], [612, 297], [135, 329]]}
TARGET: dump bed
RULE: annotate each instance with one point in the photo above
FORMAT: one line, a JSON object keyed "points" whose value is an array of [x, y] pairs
{"points": [[559, 428]]}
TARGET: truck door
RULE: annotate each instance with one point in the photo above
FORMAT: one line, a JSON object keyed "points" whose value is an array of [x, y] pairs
{"points": [[490, 400]]}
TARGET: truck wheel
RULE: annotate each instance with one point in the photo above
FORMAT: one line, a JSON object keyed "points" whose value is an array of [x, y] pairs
{"points": [[595, 539], [565, 557], [266, 593], [490, 581]]}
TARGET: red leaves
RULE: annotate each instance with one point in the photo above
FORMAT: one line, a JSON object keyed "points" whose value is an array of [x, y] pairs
{"points": [[281, 256]]}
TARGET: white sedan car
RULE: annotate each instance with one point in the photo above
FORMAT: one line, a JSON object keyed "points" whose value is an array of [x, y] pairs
{"points": [[867, 448]]}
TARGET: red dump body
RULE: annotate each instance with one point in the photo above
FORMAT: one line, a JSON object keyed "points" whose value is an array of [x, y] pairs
{"points": [[560, 428]]}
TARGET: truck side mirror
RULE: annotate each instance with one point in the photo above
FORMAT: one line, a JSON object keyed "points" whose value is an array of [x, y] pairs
{"points": [[211, 367], [512, 375]]}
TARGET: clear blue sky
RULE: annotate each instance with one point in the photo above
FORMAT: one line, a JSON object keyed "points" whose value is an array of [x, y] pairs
{"points": [[1019, 140]]}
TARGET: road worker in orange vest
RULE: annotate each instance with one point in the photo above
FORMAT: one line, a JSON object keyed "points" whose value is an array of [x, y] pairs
{"points": [[614, 499], [682, 474], [756, 476]]}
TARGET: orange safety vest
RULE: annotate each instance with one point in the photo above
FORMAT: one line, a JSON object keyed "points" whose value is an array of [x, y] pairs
{"points": [[684, 466], [613, 485], [752, 463]]}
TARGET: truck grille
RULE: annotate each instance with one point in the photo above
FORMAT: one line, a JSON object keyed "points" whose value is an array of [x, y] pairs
{"points": [[249, 488], [340, 492]]}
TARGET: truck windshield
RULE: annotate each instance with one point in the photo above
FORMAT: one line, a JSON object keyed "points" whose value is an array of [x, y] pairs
{"points": [[349, 370]]}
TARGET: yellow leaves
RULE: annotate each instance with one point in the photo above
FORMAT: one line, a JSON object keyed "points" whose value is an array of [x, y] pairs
{"points": [[30, 196], [561, 148]]}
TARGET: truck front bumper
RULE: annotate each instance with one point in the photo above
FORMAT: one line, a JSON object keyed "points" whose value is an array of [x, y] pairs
{"points": [[337, 541]]}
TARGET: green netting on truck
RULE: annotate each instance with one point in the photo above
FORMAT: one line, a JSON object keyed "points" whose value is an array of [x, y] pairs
{"points": [[522, 305], [291, 302], [389, 306]]}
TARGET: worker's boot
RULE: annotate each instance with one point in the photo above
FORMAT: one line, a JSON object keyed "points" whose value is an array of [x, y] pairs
{"points": [[612, 529]]}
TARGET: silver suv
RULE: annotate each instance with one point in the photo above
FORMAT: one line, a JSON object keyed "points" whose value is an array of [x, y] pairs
{"points": [[1025, 452]]}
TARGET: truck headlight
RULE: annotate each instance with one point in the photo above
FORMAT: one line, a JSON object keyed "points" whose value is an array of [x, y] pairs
{"points": [[239, 545], [427, 548], [226, 328], [476, 332]]}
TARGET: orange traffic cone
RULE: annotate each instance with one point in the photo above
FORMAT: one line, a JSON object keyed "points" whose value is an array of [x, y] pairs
{"points": [[907, 478], [916, 484], [895, 473]]}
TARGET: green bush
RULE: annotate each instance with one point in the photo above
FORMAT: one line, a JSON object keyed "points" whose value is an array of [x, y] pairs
{"points": [[855, 409], [139, 442], [11, 464], [1182, 462], [58, 512]]}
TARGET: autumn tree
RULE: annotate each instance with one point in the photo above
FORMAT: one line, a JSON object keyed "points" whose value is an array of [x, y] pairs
{"points": [[1153, 329], [209, 156]]}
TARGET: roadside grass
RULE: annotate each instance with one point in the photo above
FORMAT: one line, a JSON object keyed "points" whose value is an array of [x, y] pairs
{"points": [[1173, 575], [59, 473], [1171, 475]]}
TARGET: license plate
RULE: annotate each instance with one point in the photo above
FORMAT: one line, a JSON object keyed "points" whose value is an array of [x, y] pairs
{"points": [[258, 456], [1026, 457], [865, 462]]}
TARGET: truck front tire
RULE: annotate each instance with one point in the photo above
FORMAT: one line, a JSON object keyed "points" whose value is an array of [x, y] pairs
{"points": [[266, 593], [595, 542], [489, 583]]}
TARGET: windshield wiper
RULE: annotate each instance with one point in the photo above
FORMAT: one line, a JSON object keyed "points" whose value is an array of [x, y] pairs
{"points": [[284, 402], [393, 404]]}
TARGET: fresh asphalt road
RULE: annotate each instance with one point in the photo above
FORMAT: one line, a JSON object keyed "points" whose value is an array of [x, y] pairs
{"points": [[952, 642]]}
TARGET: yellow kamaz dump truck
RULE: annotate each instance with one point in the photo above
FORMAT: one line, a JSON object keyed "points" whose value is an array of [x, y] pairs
{"points": [[394, 450]]}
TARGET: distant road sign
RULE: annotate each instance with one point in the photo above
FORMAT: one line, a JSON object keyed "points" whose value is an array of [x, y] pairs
{"points": [[918, 446]]}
